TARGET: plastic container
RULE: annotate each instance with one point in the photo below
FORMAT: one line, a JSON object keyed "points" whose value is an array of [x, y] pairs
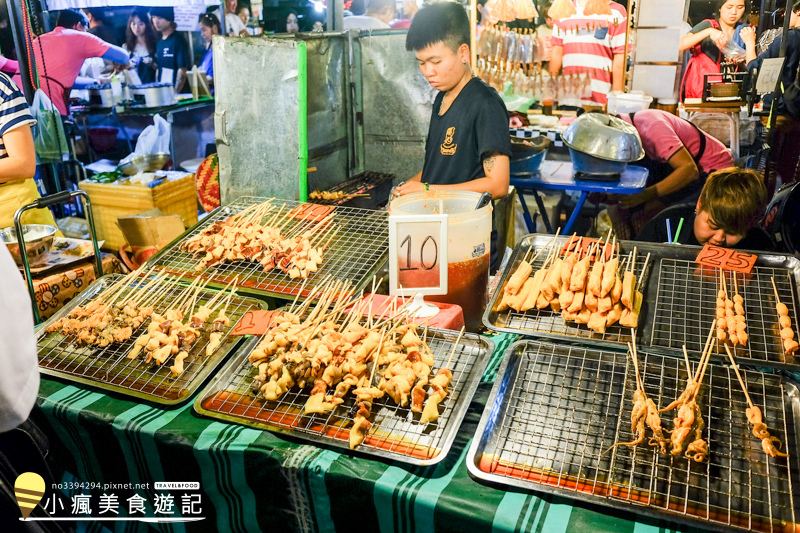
{"points": [[619, 103], [468, 246]]}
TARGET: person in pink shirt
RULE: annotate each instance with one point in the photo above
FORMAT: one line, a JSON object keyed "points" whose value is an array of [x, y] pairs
{"points": [[679, 157], [59, 55], [9, 66]]}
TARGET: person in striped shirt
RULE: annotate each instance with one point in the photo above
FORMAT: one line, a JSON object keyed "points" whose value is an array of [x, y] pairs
{"points": [[17, 158], [593, 44]]}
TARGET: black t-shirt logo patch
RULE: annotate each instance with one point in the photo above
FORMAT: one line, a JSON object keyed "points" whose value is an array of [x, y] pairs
{"points": [[447, 147]]}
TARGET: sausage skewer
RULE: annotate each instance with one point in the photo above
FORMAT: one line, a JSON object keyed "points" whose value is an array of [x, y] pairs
{"points": [[790, 345]]}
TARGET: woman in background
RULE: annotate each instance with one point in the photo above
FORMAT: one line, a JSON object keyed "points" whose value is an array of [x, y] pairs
{"points": [[706, 41], [292, 22], [17, 158], [140, 42], [209, 27]]}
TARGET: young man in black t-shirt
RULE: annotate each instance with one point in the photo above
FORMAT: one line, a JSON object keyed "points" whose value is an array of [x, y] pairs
{"points": [[468, 146], [172, 53]]}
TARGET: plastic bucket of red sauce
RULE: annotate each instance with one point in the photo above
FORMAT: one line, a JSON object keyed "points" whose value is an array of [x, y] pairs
{"points": [[468, 247]]}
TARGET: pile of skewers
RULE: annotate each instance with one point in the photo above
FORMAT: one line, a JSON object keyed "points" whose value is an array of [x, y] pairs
{"points": [[243, 237], [332, 195], [337, 348], [584, 288], [790, 345], [688, 422], [689, 416], [731, 322], [168, 335], [116, 313], [112, 315]]}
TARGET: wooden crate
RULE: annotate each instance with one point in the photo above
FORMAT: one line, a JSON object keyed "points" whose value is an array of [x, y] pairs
{"points": [[113, 200]]}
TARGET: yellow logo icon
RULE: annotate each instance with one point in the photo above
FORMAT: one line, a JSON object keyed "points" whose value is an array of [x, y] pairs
{"points": [[447, 147], [28, 489]]}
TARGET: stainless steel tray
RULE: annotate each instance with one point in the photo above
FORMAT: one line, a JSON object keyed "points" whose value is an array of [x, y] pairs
{"points": [[545, 323], [357, 251], [554, 410], [395, 433], [109, 368], [685, 296]]}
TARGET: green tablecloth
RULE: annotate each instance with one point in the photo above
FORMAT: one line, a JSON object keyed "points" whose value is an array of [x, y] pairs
{"points": [[257, 481]]}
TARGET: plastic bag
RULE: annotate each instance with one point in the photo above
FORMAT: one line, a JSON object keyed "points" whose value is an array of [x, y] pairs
{"points": [[49, 138], [154, 139]]}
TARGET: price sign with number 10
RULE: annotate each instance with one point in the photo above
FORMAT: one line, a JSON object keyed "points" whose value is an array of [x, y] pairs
{"points": [[418, 254]]}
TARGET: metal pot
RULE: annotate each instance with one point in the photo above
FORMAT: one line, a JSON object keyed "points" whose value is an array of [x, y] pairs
{"points": [[100, 96], [604, 137], [143, 163], [587, 164], [153, 95], [38, 240]]}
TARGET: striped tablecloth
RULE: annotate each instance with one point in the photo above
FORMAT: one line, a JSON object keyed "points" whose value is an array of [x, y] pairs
{"points": [[256, 481]]}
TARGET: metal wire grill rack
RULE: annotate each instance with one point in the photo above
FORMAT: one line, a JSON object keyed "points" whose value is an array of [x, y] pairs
{"points": [[686, 306], [547, 323], [109, 367], [563, 407], [355, 253], [395, 432]]}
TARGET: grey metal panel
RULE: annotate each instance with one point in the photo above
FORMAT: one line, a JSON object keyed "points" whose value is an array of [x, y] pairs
{"points": [[256, 117], [397, 105], [327, 109]]}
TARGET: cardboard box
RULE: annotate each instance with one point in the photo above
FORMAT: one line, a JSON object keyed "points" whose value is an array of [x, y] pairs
{"points": [[111, 201], [151, 228]]}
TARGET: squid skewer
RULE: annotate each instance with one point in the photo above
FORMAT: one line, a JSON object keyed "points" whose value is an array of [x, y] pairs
{"points": [[753, 413]]}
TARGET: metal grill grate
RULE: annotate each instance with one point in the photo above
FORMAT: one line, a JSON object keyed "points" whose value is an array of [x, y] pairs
{"points": [[357, 250], [110, 368], [563, 407], [545, 322], [686, 305], [395, 433]]}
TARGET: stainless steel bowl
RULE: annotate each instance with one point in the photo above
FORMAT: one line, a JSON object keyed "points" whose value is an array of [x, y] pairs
{"points": [[605, 137], [144, 163], [38, 240]]}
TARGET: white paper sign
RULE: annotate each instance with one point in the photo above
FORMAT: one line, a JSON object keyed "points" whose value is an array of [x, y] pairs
{"points": [[167, 76], [418, 254], [657, 81], [769, 74], [658, 45], [661, 13]]}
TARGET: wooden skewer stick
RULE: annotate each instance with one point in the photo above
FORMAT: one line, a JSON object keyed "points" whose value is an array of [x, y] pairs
{"points": [[455, 346], [632, 352], [569, 244], [775, 288], [688, 365], [644, 268], [706, 357], [735, 285], [379, 348], [738, 375]]}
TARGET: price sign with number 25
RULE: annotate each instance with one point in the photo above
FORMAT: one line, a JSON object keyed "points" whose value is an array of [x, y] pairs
{"points": [[726, 259], [418, 254]]}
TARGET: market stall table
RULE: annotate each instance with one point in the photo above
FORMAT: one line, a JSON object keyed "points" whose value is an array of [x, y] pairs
{"points": [[558, 176], [254, 480]]}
